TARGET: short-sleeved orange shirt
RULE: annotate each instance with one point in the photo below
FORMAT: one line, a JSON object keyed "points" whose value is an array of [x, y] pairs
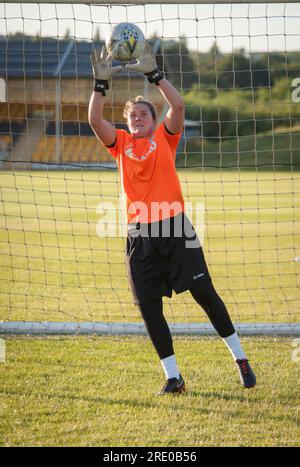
{"points": [[148, 175]]}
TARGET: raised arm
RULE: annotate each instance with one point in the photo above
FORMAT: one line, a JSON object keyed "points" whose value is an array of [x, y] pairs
{"points": [[174, 119], [103, 72]]}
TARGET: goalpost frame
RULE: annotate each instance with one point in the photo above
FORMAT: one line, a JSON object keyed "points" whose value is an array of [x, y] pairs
{"points": [[152, 2], [138, 329], [102, 328]]}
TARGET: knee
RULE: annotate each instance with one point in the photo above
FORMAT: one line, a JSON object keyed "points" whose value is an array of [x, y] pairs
{"points": [[151, 310], [203, 292], [206, 296]]}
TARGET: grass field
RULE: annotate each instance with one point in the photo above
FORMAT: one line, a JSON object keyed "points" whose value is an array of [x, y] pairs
{"points": [[97, 391], [279, 148], [54, 266], [100, 392]]}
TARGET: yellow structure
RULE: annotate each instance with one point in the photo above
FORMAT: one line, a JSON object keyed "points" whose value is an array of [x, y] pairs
{"points": [[39, 99]]}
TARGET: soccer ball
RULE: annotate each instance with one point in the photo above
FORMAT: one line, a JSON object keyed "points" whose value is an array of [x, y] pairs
{"points": [[125, 42]]}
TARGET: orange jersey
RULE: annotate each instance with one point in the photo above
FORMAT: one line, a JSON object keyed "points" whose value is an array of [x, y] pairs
{"points": [[148, 175]]}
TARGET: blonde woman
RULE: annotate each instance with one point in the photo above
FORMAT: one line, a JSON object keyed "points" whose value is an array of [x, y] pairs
{"points": [[163, 252]]}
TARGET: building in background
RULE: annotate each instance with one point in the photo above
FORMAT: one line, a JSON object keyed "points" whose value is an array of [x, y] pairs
{"points": [[44, 121]]}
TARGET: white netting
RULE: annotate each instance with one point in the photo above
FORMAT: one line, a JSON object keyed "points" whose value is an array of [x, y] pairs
{"points": [[238, 68]]}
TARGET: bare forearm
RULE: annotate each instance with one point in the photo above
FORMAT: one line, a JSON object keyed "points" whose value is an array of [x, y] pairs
{"points": [[104, 130], [171, 95], [96, 106], [174, 118]]}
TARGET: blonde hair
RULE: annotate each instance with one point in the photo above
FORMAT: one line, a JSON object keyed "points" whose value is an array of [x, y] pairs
{"points": [[140, 100]]}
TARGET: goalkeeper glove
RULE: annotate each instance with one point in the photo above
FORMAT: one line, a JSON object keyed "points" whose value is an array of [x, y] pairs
{"points": [[146, 63], [102, 69]]}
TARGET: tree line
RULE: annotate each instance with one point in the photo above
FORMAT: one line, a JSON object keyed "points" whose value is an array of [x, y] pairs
{"points": [[230, 94], [236, 93]]}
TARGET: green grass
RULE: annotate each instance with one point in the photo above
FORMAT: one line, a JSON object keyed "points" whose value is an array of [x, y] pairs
{"points": [[98, 391], [273, 150], [94, 391], [53, 266]]}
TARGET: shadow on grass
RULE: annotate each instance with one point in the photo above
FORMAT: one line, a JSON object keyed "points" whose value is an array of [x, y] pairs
{"points": [[156, 402], [222, 396]]}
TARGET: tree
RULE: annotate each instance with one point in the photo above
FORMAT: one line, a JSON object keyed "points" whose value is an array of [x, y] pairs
{"points": [[97, 34], [180, 65], [67, 34]]}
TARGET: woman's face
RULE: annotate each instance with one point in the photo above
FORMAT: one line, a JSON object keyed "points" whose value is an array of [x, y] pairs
{"points": [[140, 120]]}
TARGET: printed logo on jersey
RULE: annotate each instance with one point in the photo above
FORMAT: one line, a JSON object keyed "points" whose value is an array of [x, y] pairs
{"points": [[128, 150]]}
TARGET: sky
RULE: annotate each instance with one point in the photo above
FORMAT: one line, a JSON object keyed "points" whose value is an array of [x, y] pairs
{"points": [[254, 27]]}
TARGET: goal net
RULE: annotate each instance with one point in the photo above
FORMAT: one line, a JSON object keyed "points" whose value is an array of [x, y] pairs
{"points": [[62, 225]]}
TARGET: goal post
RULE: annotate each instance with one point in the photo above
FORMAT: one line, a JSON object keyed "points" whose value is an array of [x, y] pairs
{"points": [[155, 2], [62, 219]]}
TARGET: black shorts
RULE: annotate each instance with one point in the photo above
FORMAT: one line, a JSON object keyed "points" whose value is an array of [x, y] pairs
{"points": [[162, 257]]}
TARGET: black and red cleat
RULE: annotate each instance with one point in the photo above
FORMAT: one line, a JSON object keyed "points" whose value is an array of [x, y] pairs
{"points": [[247, 375], [173, 385]]}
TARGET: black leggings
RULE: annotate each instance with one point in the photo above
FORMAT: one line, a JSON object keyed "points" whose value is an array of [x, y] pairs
{"points": [[158, 329]]}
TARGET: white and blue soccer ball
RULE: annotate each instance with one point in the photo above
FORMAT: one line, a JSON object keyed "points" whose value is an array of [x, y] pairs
{"points": [[125, 42]]}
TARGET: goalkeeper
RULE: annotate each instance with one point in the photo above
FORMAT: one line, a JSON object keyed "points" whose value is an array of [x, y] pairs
{"points": [[163, 252]]}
